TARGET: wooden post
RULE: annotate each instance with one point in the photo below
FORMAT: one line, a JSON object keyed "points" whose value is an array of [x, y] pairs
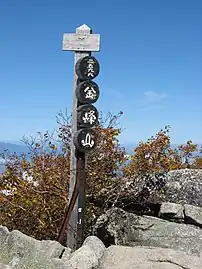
{"points": [[81, 199], [82, 43]]}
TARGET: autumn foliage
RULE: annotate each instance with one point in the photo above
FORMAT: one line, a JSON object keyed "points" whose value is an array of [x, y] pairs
{"points": [[37, 183], [157, 155]]}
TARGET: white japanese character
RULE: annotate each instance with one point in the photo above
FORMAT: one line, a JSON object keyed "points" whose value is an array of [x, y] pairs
{"points": [[89, 117], [88, 141], [90, 93], [90, 68]]}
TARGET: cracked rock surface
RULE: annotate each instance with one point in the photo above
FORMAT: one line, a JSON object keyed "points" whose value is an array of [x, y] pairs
{"points": [[120, 257]]}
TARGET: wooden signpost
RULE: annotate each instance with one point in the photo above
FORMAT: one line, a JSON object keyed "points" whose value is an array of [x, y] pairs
{"points": [[84, 117]]}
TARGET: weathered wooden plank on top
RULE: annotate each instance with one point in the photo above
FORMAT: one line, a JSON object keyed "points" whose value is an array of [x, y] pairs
{"points": [[78, 42]]}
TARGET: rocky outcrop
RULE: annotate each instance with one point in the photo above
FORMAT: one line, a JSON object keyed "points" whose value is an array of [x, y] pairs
{"points": [[184, 187], [89, 255], [157, 226], [118, 227], [146, 193], [19, 251], [161, 210]]}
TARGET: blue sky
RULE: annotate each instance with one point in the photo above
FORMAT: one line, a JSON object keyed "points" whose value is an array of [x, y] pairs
{"points": [[150, 58]]}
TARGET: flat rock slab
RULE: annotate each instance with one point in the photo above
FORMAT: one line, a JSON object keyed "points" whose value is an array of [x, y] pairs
{"points": [[193, 214], [188, 214], [127, 229], [120, 257], [3, 266], [172, 210]]}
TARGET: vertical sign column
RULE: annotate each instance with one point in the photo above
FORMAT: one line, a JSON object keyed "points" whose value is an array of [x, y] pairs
{"points": [[87, 92], [83, 42]]}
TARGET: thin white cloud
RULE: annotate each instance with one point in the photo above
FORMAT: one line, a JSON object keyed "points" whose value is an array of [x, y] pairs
{"points": [[151, 107], [153, 97], [114, 93]]}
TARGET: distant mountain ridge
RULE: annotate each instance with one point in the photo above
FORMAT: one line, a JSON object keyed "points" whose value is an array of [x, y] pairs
{"points": [[19, 148], [130, 147], [12, 147]]}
